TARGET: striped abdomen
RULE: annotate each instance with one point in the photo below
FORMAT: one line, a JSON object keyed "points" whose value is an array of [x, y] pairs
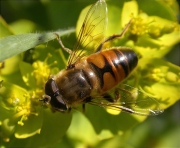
{"points": [[112, 66]]}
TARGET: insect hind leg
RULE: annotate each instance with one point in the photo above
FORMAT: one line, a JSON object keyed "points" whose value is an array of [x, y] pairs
{"points": [[99, 48], [62, 45], [111, 99], [108, 98], [88, 99]]}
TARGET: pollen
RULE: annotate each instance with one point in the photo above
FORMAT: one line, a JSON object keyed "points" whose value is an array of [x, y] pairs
{"points": [[139, 26], [41, 72]]}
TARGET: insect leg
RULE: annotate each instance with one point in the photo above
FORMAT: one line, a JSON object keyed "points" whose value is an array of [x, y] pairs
{"points": [[69, 109], [63, 47], [111, 99], [83, 107], [117, 95], [99, 48], [108, 98]]}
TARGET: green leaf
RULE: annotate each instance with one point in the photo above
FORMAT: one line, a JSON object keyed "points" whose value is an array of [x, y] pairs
{"points": [[11, 65], [8, 127], [16, 44], [49, 130], [170, 139], [4, 28], [113, 28], [11, 95], [27, 74], [159, 47], [161, 79], [101, 120], [118, 141], [129, 9], [80, 127], [53, 128], [31, 126], [23, 26], [158, 8]]}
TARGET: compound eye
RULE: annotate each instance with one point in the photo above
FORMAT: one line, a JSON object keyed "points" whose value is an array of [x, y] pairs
{"points": [[53, 96], [50, 87]]}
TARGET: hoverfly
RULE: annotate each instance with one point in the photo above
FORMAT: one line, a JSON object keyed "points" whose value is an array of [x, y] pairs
{"points": [[88, 78]]}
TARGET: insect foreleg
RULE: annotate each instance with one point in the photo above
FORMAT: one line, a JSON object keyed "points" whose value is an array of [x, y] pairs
{"points": [[99, 48], [63, 47], [69, 109]]}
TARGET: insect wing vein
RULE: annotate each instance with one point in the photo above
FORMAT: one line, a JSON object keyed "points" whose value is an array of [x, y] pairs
{"points": [[132, 100], [91, 32]]}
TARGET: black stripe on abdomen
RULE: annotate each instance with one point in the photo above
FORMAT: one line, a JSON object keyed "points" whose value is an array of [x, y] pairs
{"points": [[100, 71], [127, 59]]}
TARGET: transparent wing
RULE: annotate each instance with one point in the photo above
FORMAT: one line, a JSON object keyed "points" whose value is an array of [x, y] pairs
{"points": [[91, 32], [129, 99]]}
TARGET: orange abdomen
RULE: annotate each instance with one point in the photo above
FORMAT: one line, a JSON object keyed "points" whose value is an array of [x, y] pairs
{"points": [[112, 66]]}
